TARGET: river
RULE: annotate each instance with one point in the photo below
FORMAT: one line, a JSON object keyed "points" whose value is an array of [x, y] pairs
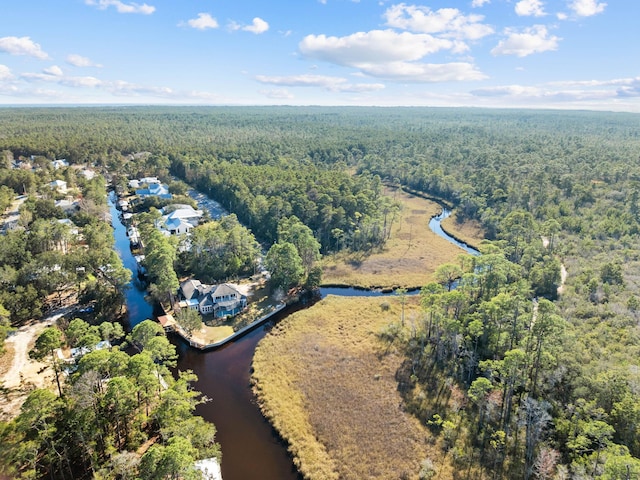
{"points": [[251, 449], [138, 309], [435, 224]]}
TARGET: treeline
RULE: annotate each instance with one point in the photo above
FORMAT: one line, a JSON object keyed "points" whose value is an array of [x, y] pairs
{"points": [[117, 416], [341, 210], [503, 380]]}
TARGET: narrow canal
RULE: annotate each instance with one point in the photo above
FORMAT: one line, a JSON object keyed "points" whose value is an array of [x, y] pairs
{"points": [[251, 449], [138, 309]]}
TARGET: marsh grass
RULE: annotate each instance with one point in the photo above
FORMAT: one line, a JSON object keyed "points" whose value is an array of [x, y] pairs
{"points": [[327, 382], [410, 256], [469, 231]]}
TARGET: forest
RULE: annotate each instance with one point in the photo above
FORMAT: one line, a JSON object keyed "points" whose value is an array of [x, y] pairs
{"points": [[519, 373]]}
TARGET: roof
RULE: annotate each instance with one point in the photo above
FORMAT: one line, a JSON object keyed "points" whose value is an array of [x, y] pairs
{"points": [[60, 163], [166, 321], [225, 289], [190, 288], [176, 224], [184, 213]]}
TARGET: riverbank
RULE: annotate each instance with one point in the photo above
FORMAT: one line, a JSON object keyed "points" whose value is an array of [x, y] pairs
{"points": [[325, 379]]}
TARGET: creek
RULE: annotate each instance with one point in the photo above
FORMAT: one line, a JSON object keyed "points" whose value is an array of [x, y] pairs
{"points": [[251, 448]]}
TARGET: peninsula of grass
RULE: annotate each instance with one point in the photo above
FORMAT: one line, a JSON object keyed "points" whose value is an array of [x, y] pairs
{"points": [[325, 379], [409, 257], [469, 231]]}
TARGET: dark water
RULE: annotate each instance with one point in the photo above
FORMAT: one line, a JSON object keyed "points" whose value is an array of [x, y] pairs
{"points": [[138, 307], [251, 449]]}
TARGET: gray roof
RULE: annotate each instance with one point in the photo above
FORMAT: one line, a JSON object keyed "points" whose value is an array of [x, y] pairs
{"points": [[190, 289]]}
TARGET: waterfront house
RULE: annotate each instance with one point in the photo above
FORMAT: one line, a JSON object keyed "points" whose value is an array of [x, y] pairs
{"points": [[180, 220], [217, 300], [154, 190]]}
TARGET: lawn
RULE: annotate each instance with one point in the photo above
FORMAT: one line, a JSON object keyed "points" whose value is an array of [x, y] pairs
{"points": [[326, 381], [410, 256]]}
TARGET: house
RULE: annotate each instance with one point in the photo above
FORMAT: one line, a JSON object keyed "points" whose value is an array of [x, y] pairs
{"points": [[59, 185], [87, 174], [77, 353], [154, 190], [138, 183], [181, 220], [219, 300], [62, 163], [69, 205]]}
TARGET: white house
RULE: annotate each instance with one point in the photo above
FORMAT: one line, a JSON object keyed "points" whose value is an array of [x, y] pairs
{"points": [[62, 163], [181, 220], [220, 300], [137, 183], [69, 205], [59, 185], [154, 190]]}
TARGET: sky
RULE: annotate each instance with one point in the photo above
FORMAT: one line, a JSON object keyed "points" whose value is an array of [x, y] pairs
{"points": [[562, 54]]}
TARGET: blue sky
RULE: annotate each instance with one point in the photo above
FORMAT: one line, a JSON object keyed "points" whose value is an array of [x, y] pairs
{"points": [[565, 54]]}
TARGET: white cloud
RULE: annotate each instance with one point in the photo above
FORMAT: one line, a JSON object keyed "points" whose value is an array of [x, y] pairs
{"points": [[479, 3], [5, 73], [305, 80], [531, 40], [122, 88], [202, 22], [80, 61], [334, 84], [376, 46], [600, 94], [69, 81], [587, 8], [53, 70], [257, 26], [528, 8], [122, 7], [447, 22], [562, 16], [277, 94], [22, 46], [390, 55], [507, 90], [425, 72]]}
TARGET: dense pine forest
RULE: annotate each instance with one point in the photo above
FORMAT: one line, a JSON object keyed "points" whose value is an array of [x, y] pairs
{"points": [[527, 369]]}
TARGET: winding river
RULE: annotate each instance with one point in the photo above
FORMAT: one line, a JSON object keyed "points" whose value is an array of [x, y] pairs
{"points": [[251, 449]]}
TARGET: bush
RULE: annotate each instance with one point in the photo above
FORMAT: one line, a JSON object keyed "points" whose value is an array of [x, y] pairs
{"points": [[427, 470]]}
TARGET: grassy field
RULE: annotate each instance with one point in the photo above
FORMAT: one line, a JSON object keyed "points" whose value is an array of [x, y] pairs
{"points": [[470, 232], [327, 383], [409, 257]]}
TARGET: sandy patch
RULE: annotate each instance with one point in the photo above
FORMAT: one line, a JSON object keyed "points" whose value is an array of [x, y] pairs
{"points": [[24, 374]]}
